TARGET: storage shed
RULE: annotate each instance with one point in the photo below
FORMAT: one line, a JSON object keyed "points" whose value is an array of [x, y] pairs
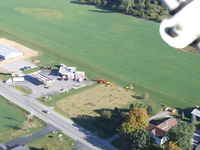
{"points": [[8, 52]]}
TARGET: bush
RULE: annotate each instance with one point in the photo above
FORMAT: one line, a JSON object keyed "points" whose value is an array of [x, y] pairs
{"points": [[146, 96], [149, 109], [106, 114]]}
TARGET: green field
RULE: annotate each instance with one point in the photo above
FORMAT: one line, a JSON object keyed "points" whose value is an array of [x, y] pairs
{"points": [[118, 47], [11, 127], [11, 122], [53, 142], [10, 117]]}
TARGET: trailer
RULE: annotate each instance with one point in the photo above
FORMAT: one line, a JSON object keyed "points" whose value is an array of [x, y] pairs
{"points": [[18, 79]]}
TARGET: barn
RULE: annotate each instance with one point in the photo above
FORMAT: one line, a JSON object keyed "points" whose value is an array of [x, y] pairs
{"points": [[7, 52]]}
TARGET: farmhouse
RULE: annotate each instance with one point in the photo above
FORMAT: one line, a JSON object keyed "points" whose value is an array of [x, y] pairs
{"points": [[7, 52], [158, 131]]}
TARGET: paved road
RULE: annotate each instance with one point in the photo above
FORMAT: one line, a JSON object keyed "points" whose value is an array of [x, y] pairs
{"points": [[65, 125], [26, 139]]}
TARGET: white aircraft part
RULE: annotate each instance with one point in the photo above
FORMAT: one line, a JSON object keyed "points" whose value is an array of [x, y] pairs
{"points": [[187, 19]]}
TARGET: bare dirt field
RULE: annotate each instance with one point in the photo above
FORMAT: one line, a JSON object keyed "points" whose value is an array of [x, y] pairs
{"points": [[27, 52], [94, 99]]}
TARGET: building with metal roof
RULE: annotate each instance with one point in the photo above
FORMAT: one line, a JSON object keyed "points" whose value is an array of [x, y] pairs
{"points": [[42, 78], [8, 52], [196, 112], [64, 70]]}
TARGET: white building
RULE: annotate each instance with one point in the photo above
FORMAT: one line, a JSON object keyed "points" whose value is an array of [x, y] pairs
{"points": [[7, 52], [70, 73], [196, 112]]}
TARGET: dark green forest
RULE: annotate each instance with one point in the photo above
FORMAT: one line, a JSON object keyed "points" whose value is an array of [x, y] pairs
{"points": [[148, 9]]}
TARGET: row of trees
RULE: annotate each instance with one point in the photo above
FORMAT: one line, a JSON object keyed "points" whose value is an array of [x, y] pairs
{"points": [[148, 9]]}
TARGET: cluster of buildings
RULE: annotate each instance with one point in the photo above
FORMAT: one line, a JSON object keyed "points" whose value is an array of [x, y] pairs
{"points": [[71, 73], [159, 130]]}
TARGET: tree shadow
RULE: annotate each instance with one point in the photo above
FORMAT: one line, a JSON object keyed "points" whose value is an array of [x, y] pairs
{"points": [[5, 74], [158, 121], [137, 97], [81, 3], [33, 148], [104, 9], [10, 118], [101, 11], [112, 10], [187, 113], [93, 139], [15, 127], [102, 127]]}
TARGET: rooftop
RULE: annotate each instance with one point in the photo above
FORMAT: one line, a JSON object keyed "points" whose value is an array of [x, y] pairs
{"points": [[5, 50], [163, 127], [196, 112], [64, 69]]}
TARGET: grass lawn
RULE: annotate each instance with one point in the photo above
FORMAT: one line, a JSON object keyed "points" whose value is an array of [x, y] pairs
{"points": [[4, 76], [22, 89], [92, 101], [12, 118], [118, 47], [53, 142], [11, 127]]}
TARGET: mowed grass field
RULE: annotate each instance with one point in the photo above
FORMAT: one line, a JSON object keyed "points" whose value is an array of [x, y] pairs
{"points": [[121, 48], [11, 122], [10, 117], [11, 127]]}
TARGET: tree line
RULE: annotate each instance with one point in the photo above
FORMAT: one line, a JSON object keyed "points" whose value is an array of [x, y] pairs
{"points": [[148, 9]]}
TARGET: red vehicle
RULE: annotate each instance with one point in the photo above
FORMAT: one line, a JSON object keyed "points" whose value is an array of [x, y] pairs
{"points": [[102, 81]]}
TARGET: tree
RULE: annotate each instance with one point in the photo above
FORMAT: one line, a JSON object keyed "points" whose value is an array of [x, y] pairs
{"points": [[106, 114], [137, 105], [149, 109], [172, 146], [45, 147], [139, 140], [182, 135], [183, 115], [136, 119], [148, 9], [193, 119]]}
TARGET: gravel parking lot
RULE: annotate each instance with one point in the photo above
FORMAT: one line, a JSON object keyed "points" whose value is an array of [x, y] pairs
{"points": [[17, 65], [38, 89]]}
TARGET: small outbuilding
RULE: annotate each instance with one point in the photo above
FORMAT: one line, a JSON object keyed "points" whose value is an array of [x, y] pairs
{"points": [[8, 52], [196, 113]]}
